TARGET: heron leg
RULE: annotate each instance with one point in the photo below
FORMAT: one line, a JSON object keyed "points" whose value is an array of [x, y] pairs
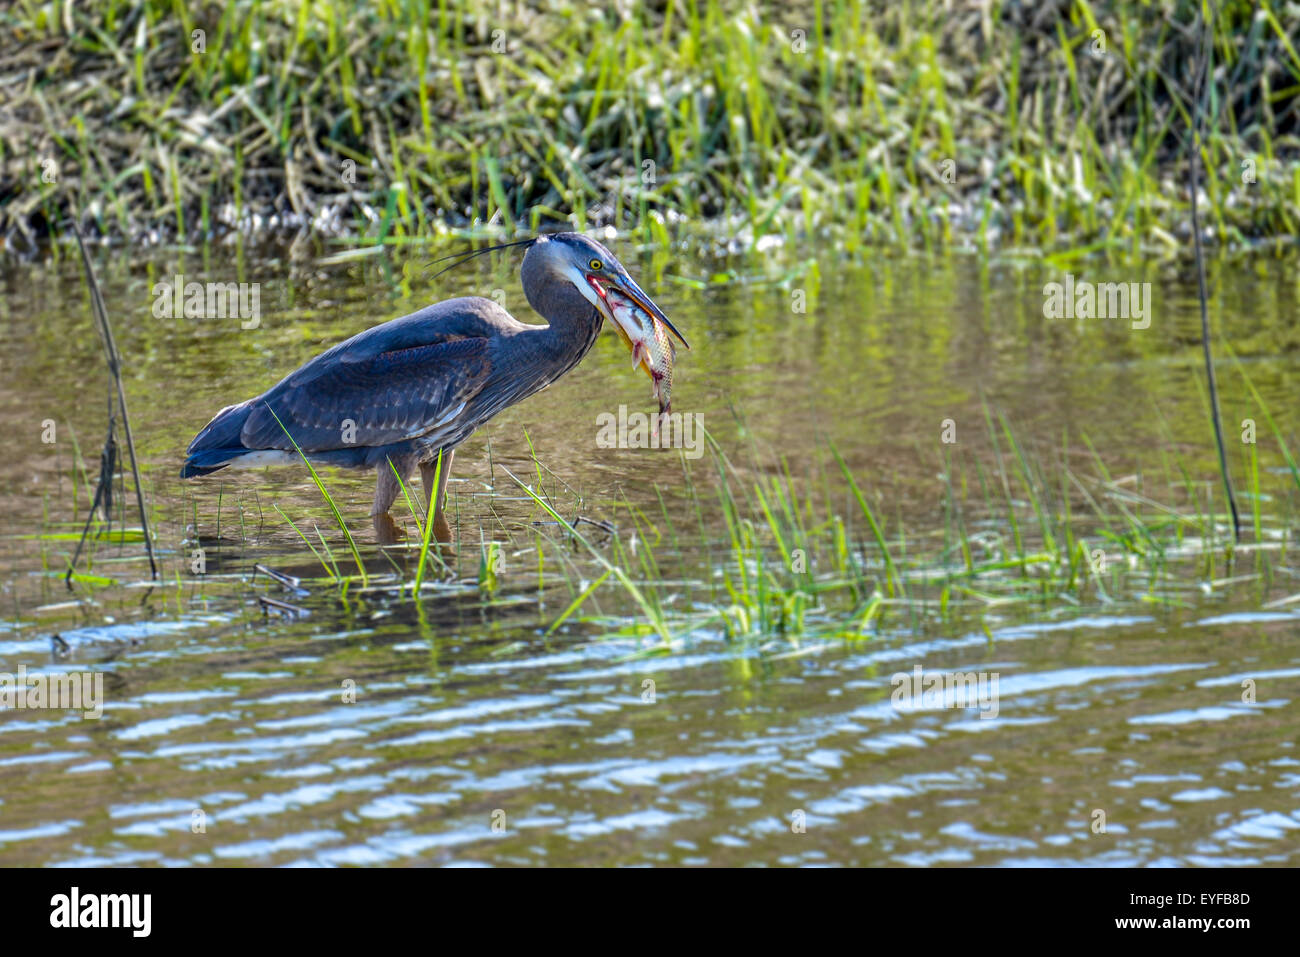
{"points": [[437, 498], [387, 488]]}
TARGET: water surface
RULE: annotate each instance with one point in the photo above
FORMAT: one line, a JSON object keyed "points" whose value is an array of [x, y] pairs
{"points": [[475, 737]]}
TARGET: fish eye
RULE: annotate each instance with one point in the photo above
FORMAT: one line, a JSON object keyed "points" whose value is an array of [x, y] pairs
{"points": [[596, 265]]}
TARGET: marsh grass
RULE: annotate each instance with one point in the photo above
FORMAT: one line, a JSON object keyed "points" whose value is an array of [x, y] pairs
{"points": [[797, 561], [425, 527], [333, 507], [797, 570], [921, 124]]}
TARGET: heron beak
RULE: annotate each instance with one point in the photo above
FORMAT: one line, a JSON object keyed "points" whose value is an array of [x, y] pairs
{"points": [[627, 286]]}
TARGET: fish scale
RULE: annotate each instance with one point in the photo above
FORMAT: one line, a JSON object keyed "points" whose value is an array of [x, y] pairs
{"points": [[652, 350]]}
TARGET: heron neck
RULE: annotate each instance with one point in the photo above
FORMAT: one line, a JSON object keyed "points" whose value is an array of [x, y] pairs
{"points": [[572, 323]]}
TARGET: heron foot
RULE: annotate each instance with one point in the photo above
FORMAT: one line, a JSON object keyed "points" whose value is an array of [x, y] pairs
{"points": [[387, 531], [436, 498], [441, 530]]}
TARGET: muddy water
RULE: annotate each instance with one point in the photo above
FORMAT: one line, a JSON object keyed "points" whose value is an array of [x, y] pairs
{"points": [[377, 730]]}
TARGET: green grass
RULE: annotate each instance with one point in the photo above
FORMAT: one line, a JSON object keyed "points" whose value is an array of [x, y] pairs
{"points": [[919, 124], [1077, 541], [329, 500], [1027, 532]]}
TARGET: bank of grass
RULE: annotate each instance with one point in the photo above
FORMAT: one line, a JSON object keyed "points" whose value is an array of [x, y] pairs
{"points": [[1058, 126]]}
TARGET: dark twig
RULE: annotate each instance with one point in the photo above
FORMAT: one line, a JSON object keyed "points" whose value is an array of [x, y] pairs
{"points": [[281, 607], [288, 582], [607, 527], [108, 459], [1202, 72], [103, 500]]}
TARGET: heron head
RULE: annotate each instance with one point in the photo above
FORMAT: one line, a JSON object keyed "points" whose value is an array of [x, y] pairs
{"points": [[594, 272]]}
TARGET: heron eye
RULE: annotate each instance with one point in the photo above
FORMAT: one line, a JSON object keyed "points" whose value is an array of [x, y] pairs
{"points": [[596, 265]]}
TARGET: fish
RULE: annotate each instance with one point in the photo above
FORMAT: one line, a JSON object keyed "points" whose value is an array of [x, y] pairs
{"points": [[651, 347]]}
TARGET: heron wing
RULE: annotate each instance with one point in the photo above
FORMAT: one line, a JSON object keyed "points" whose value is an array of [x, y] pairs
{"points": [[361, 397]]}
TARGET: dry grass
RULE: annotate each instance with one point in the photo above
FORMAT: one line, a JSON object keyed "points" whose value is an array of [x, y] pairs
{"points": [[925, 123]]}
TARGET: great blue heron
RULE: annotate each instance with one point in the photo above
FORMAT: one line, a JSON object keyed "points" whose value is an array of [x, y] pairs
{"points": [[405, 390]]}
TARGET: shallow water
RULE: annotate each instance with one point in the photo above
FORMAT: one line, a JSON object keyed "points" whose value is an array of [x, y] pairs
{"points": [[476, 738]]}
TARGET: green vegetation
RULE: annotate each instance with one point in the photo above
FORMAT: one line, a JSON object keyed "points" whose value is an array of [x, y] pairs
{"points": [[1057, 126], [806, 559], [795, 568]]}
